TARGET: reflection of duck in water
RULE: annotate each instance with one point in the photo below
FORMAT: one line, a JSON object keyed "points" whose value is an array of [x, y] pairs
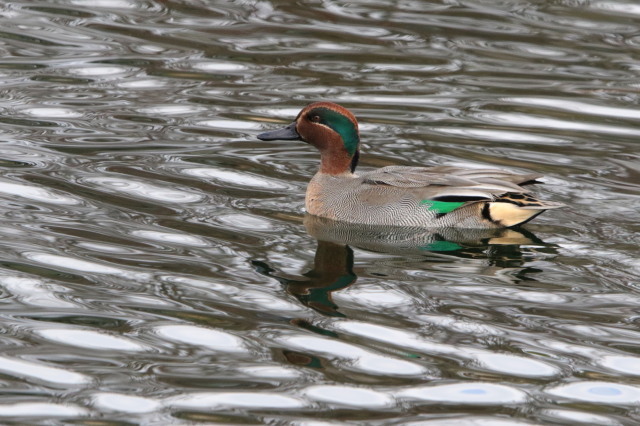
{"points": [[411, 240], [427, 197], [478, 251], [333, 270]]}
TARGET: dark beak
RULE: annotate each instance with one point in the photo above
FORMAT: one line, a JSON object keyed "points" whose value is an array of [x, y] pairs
{"points": [[288, 133]]}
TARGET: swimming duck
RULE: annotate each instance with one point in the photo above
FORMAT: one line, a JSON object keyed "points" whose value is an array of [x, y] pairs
{"points": [[428, 197]]}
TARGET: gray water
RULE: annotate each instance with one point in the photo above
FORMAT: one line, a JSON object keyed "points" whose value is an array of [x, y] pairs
{"points": [[157, 266]]}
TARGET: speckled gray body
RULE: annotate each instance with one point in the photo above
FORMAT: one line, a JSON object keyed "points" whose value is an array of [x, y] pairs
{"points": [[394, 195]]}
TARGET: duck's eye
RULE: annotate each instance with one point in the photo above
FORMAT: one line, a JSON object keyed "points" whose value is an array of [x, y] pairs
{"points": [[315, 118]]}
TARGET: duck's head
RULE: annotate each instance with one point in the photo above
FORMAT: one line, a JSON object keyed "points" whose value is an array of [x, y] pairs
{"points": [[329, 127]]}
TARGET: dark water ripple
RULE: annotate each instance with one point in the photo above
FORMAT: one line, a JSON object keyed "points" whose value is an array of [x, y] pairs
{"points": [[157, 265]]}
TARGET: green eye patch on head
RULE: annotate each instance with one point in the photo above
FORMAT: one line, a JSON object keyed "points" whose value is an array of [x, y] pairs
{"points": [[341, 124]]}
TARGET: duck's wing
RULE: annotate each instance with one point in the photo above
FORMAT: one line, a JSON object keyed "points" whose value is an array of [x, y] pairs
{"points": [[445, 182], [486, 196]]}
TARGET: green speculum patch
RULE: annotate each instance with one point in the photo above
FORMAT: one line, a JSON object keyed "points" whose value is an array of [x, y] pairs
{"points": [[342, 125], [442, 206]]}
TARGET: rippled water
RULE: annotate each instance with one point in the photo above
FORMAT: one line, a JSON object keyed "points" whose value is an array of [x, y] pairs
{"points": [[158, 268]]}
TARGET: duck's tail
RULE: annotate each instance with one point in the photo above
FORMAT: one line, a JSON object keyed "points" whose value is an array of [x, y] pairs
{"points": [[513, 208]]}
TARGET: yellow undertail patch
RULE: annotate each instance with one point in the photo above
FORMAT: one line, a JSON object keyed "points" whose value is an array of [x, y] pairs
{"points": [[509, 214]]}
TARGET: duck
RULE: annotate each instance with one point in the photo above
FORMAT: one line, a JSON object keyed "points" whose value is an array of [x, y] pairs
{"points": [[424, 197]]}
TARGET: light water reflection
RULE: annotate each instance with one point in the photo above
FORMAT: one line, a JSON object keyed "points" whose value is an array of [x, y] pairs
{"points": [[157, 266]]}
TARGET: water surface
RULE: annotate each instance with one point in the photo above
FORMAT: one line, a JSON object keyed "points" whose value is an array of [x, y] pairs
{"points": [[157, 265]]}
